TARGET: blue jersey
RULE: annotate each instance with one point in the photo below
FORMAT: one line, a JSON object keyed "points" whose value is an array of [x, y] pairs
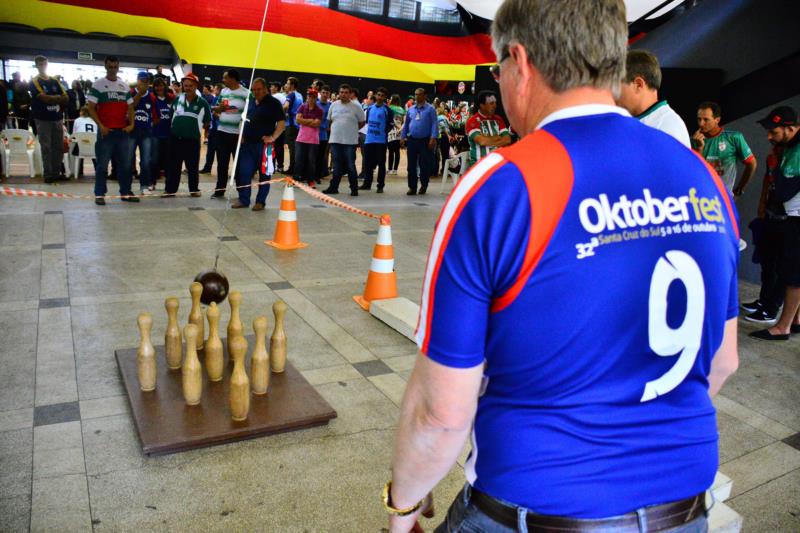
{"points": [[591, 267], [323, 127], [295, 100], [144, 112], [380, 121], [164, 112]]}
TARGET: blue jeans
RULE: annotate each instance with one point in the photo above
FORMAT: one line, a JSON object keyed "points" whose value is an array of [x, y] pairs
{"points": [[305, 161], [117, 146], [422, 157], [344, 161], [250, 156], [144, 140], [464, 517]]}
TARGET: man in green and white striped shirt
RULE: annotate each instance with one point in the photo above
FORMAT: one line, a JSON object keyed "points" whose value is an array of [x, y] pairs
{"points": [[229, 109], [486, 130]]}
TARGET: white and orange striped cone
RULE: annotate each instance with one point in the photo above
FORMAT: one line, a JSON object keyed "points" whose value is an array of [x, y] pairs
{"points": [[382, 279], [287, 233]]}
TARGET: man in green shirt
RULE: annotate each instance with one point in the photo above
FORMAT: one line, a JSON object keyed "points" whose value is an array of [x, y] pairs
{"points": [[190, 115], [722, 148], [782, 130]]}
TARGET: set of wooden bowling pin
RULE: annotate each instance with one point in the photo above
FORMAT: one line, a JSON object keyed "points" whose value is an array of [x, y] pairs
{"points": [[261, 361]]}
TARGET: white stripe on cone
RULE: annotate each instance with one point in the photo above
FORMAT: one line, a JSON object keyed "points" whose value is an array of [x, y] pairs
{"points": [[288, 192], [385, 235], [382, 266], [287, 216]]}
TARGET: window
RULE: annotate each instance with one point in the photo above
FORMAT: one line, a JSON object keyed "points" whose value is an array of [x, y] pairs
{"points": [[370, 7], [437, 14], [403, 9]]}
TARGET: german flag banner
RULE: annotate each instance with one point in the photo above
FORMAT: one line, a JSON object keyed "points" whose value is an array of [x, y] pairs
{"points": [[298, 36]]}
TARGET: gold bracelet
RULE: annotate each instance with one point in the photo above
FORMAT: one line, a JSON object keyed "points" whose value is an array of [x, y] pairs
{"points": [[387, 504]]}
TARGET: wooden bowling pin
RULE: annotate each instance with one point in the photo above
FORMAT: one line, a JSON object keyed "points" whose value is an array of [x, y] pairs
{"points": [[214, 356], [277, 345], [239, 385], [191, 372], [235, 327], [196, 314], [173, 343], [146, 356], [259, 361]]}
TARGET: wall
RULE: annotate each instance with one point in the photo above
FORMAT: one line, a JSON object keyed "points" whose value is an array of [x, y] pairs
{"points": [[756, 137]]}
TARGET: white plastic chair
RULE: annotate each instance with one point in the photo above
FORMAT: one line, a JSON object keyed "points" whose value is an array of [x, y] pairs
{"points": [[85, 142], [461, 159], [18, 142]]}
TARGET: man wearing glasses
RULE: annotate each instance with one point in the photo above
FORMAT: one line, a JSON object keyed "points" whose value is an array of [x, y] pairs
{"points": [[594, 413]]}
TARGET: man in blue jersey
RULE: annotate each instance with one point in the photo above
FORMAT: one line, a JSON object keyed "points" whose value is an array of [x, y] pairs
{"points": [[594, 413], [380, 121]]}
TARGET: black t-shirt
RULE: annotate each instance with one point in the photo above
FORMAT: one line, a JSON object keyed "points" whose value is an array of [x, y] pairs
{"points": [[261, 118]]}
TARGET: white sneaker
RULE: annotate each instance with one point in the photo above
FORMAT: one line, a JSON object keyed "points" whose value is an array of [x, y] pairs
{"points": [[146, 192]]}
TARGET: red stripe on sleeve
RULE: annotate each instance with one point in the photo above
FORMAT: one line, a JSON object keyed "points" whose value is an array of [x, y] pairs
{"points": [[547, 169]]}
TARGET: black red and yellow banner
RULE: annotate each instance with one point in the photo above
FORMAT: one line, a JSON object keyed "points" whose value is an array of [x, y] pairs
{"points": [[297, 36]]}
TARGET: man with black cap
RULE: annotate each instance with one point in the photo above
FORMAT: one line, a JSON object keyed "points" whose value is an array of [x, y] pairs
{"points": [[782, 127]]}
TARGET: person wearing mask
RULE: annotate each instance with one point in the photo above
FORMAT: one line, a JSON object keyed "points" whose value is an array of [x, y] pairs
{"points": [[264, 122], [48, 101], [380, 121], [144, 105], [420, 131], [190, 115], [228, 110], [111, 106], [309, 118], [323, 155], [290, 106], [393, 139], [162, 123], [345, 117], [276, 90]]}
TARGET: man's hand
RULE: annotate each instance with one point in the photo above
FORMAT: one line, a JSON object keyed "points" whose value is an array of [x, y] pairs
{"points": [[103, 130], [698, 141], [128, 128], [403, 143], [737, 191], [267, 139], [404, 524], [432, 144]]}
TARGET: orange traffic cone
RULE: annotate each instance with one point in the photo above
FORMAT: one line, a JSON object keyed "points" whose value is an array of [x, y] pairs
{"points": [[382, 279], [287, 234]]}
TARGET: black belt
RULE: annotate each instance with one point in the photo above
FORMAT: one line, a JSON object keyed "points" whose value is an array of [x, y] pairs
{"points": [[659, 517]]}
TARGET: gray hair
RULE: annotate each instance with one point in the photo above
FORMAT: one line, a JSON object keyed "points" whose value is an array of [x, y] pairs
{"points": [[573, 43]]}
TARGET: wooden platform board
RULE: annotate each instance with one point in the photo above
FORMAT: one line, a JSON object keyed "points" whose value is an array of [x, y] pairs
{"points": [[167, 425]]}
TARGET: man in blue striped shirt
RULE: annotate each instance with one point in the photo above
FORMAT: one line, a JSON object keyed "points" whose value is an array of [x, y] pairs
{"points": [[419, 133]]}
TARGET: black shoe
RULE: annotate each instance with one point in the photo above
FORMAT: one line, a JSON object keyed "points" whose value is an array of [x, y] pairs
{"points": [[380, 190], [218, 194], [761, 317], [795, 329], [411, 192], [49, 180], [423, 189], [195, 194], [365, 187], [100, 201], [354, 192], [330, 191], [205, 171], [168, 195], [132, 199], [751, 307], [765, 335]]}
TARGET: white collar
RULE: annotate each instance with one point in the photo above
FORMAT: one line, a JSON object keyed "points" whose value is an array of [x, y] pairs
{"points": [[584, 110]]}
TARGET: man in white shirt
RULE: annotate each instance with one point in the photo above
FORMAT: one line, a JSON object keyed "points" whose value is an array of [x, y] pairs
{"points": [[229, 109], [345, 117], [639, 96]]}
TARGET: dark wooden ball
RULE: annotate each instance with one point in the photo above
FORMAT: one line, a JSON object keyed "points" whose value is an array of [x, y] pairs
{"points": [[215, 286]]}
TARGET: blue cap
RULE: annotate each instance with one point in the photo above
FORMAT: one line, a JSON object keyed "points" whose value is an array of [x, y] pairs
{"points": [[143, 75]]}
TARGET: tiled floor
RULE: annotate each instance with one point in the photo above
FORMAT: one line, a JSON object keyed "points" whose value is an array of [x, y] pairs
{"points": [[74, 276]]}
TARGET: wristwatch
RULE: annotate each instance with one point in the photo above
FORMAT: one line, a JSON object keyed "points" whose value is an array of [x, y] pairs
{"points": [[387, 503]]}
